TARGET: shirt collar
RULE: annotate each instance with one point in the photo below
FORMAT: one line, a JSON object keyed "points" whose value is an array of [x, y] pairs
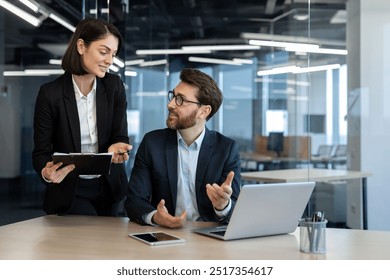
{"points": [[197, 143], [77, 91]]}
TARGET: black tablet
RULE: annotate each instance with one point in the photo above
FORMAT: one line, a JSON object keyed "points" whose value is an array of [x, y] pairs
{"points": [[156, 238], [86, 163]]}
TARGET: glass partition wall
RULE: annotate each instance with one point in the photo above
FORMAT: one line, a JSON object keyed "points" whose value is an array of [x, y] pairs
{"points": [[299, 96], [273, 83], [288, 79], [282, 72]]}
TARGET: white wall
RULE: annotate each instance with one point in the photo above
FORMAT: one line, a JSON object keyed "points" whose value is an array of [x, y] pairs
{"points": [[374, 94], [318, 105]]}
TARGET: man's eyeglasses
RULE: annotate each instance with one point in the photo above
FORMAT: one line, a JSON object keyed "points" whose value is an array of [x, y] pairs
{"points": [[179, 99]]}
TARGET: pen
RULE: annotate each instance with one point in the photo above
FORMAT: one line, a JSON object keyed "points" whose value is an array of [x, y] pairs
{"points": [[122, 153], [319, 218]]}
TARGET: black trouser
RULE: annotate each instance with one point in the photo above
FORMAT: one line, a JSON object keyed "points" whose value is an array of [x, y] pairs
{"points": [[93, 198]]}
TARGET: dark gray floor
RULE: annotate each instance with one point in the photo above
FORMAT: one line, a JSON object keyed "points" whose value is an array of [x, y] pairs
{"points": [[20, 199]]}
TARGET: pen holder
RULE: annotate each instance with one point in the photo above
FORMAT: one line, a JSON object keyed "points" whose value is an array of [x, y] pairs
{"points": [[312, 236]]}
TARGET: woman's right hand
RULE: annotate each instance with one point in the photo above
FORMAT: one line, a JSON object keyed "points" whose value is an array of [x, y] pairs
{"points": [[52, 173]]}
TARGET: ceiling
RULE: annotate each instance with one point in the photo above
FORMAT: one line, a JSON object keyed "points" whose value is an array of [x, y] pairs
{"points": [[160, 24]]}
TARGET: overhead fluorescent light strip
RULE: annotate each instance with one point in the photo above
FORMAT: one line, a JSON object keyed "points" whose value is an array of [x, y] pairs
{"points": [[290, 46], [16, 73], [154, 63], [297, 70], [317, 68], [243, 61], [119, 62], [63, 22], [130, 73], [221, 47], [329, 51], [103, 11], [282, 81], [213, 60], [134, 62], [53, 61], [298, 47], [30, 5], [278, 70], [37, 8], [44, 71], [34, 72], [20, 13], [169, 51], [114, 68]]}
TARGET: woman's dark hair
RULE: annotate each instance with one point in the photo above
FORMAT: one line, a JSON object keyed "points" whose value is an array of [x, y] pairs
{"points": [[90, 30], [209, 93]]}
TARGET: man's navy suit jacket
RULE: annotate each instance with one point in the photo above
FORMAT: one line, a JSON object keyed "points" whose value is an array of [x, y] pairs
{"points": [[154, 175]]}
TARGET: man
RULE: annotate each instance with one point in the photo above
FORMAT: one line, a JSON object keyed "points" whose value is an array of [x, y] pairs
{"points": [[186, 171]]}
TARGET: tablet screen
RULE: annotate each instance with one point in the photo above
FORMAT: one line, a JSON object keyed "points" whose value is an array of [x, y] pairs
{"points": [[156, 238]]}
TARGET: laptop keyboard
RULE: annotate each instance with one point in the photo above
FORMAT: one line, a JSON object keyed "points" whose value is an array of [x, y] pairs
{"points": [[220, 232]]}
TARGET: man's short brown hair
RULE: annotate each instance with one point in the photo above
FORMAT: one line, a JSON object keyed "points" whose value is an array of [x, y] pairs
{"points": [[209, 93]]}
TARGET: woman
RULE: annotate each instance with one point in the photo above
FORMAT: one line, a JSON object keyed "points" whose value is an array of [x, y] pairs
{"points": [[83, 110]]}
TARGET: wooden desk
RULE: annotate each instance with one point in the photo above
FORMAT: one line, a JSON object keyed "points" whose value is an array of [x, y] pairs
{"points": [[94, 238], [303, 174], [312, 174]]}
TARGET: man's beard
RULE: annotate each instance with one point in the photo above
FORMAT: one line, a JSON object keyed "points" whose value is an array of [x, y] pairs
{"points": [[182, 123]]}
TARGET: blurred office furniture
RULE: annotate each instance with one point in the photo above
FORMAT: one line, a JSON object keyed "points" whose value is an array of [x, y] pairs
{"points": [[339, 157], [324, 151], [313, 174], [106, 238], [340, 151], [326, 158], [295, 150], [275, 142], [323, 156], [294, 146], [331, 198]]}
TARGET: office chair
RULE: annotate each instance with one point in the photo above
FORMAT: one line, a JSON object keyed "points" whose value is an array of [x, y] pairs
{"points": [[340, 151], [322, 157], [324, 151], [339, 157]]}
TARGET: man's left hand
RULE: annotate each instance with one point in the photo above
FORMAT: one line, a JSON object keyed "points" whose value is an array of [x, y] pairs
{"points": [[220, 195]]}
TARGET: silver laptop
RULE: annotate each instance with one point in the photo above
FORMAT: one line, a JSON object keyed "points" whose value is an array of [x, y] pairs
{"points": [[264, 209]]}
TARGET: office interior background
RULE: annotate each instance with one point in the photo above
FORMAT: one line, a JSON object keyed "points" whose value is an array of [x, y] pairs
{"points": [[311, 69]]}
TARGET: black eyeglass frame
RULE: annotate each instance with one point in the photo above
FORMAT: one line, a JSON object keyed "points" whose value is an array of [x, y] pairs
{"points": [[179, 99]]}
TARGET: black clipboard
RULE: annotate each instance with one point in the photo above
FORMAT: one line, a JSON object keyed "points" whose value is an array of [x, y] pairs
{"points": [[86, 163]]}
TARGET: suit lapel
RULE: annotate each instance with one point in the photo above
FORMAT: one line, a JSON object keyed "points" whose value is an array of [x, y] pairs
{"points": [[205, 154], [71, 109], [171, 155], [101, 109]]}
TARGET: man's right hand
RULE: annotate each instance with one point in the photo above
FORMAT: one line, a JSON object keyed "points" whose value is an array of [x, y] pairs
{"points": [[163, 218], [54, 174]]}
